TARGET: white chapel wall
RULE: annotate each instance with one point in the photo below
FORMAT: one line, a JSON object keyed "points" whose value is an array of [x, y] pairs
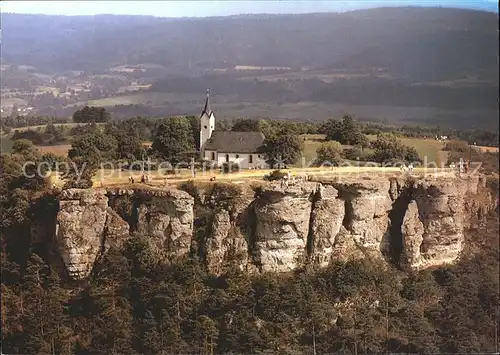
{"points": [[243, 159]]}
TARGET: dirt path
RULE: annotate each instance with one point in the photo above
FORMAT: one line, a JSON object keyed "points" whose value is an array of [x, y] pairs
{"points": [[120, 178]]}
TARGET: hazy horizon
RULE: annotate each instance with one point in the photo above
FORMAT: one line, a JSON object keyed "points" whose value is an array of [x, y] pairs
{"points": [[221, 8]]}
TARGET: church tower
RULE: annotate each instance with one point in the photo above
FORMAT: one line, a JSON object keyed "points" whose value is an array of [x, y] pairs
{"points": [[207, 124]]}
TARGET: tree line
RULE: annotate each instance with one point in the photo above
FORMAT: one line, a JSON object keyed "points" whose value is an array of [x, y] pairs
{"points": [[101, 115]]}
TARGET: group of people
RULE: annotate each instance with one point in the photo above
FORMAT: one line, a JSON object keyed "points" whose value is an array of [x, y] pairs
{"points": [[144, 179], [290, 180], [463, 166]]}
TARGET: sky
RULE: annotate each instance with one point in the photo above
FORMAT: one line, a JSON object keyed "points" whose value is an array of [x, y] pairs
{"points": [[221, 7]]}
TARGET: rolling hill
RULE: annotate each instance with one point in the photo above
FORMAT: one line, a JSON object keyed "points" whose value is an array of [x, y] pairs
{"points": [[416, 43], [418, 65]]}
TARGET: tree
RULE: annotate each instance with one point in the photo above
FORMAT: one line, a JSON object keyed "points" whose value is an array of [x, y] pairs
{"points": [[388, 148], [95, 145], [351, 132], [34, 313], [195, 129], [130, 147], [347, 131], [112, 330], [91, 114], [173, 139], [329, 152], [245, 125], [81, 170], [222, 125], [282, 150], [333, 130], [85, 155]]}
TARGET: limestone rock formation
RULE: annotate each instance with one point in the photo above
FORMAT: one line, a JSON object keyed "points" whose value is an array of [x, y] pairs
{"points": [[412, 231], [229, 232], [367, 205], [80, 229], [282, 226], [277, 227], [167, 217], [326, 220], [441, 204], [116, 230]]}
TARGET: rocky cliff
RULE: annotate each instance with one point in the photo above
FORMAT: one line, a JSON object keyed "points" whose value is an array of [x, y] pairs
{"points": [[416, 223]]}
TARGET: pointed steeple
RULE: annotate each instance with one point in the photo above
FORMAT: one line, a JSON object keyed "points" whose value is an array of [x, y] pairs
{"points": [[206, 109]]}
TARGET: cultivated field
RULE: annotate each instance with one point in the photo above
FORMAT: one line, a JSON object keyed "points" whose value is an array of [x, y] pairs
{"points": [[230, 106], [153, 99], [42, 127], [429, 149], [325, 77], [59, 150], [485, 149]]}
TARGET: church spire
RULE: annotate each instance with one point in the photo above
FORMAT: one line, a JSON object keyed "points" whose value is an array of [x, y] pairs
{"points": [[207, 109]]}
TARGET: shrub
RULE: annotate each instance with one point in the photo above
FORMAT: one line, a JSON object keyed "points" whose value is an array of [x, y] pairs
{"points": [[221, 191], [275, 175], [457, 146], [330, 152], [388, 149], [191, 189], [33, 136]]}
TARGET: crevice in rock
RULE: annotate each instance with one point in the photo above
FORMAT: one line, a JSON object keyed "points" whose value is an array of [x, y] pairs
{"points": [[348, 216], [126, 207], [134, 215], [396, 217], [202, 229], [102, 248], [315, 197], [251, 231]]}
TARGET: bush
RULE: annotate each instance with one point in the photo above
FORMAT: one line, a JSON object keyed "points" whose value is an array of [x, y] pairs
{"points": [[35, 137], [229, 167], [224, 191], [330, 152], [457, 146], [275, 175], [191, 189], [388, 149]]}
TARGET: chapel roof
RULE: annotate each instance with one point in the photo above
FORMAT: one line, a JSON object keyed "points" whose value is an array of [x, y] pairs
{"points": [[235, 142]]}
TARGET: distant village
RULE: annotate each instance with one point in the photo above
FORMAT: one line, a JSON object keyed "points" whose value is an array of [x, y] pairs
{"points": [[25, 92]]}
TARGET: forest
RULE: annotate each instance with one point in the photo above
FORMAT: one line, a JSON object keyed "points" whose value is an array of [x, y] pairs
{"points": [[135, 303]]}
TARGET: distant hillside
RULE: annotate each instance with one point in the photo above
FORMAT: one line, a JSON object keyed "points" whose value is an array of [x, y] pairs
{"points": [[412, 43]]}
